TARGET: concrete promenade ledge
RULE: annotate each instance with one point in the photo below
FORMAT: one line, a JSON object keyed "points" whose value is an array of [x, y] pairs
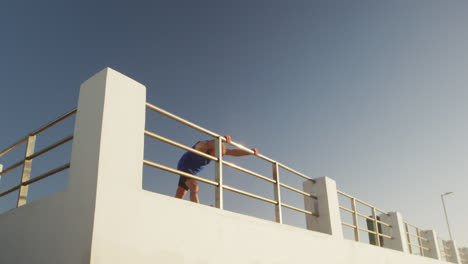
{"points": [[105, 216]]}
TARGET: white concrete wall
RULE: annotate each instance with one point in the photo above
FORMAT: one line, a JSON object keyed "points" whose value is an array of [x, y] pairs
{"points": [[136, 226], [106, 217], [161, 229]]}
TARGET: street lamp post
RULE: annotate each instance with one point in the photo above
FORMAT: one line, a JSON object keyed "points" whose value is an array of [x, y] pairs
{"points": [[445, 211]]}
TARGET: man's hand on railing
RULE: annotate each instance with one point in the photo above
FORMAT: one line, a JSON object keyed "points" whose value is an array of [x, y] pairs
{"points": [[255, 151], [228, 139]]}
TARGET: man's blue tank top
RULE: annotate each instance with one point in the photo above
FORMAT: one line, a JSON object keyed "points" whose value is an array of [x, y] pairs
{"points": [[191, 162]]}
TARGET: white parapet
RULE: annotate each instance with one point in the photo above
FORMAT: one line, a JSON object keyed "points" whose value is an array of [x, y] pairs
{"points": [[430, 241], [396, 231], [327, 207], [105, 216], [119, 147], [452, 252]]}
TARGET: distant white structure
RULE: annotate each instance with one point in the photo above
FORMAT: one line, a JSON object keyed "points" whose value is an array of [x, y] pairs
{"points": [[104, 216]]}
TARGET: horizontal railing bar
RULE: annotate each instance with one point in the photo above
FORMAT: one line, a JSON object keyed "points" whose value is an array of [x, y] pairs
{"points": [[368, 231], [298, 191], [370, 218], [178, 172], [56, 121], [383, 212], [21, 141], [266, 158], [237, 167], [346, 209], [345, 194], [47, 174], [383, 223], [14, 166], [385, 236], [182, 146], [420, 247], [10, 190], [375, 233], [232, 189], [413, 235], [414, 245], [368, 205], [59, 143], [8, 149], [295, 172], [412, 225], [298, 209], [349, 225], [181, 120], [365, 216], [361, 202]]}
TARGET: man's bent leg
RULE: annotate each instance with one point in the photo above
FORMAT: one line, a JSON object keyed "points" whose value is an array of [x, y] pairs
{"points": [[182, 188], [180, 193], [193, 186]]}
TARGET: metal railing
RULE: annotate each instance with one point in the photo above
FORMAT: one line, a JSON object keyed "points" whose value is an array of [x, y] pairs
{"points": [[463, 257], [443, 255], [30, 141], [376, 234], [445, 249], [418, 236], [218, 183]]}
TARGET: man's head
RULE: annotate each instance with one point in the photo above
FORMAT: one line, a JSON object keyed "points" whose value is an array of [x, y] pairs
{"points": [[211, 148]]}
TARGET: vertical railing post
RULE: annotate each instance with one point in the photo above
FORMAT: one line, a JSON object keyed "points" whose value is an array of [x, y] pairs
{"points": [[23, 192], [376, 227], [355, 219], [277, 191], [452, 252], [329, 220], [396, 230], [219, 173], [409, 238], [432, 243]]}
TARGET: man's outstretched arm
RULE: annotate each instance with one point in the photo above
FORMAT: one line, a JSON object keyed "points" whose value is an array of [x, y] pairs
{"points": [[240, 152]]}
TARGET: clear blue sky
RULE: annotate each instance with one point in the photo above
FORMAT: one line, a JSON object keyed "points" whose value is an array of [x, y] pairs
{"points": [[370, 93]]}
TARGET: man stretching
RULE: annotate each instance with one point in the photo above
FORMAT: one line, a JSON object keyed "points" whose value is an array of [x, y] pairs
{"points": [[193, 163]]}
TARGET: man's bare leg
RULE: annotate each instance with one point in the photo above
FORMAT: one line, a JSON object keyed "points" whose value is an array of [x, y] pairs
{"points": [[193, 186], [180, 193]]}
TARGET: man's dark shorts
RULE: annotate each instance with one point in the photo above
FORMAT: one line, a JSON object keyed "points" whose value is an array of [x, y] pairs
{"points": [[182, 180]]}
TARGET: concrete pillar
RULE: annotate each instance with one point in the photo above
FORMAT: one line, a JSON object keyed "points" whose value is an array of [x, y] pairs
{"points": [[431, 243], [397, 231], [452, 252], [329, 220], [108, 143], [464, 255]]}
